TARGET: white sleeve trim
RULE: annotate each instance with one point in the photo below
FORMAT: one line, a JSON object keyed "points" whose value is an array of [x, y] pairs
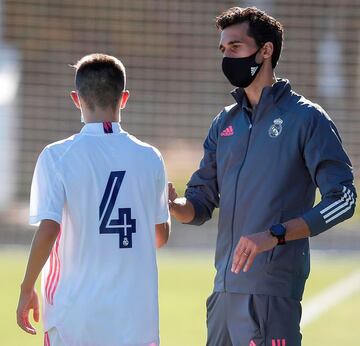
{"points": [[163, 218], [35, 220]]}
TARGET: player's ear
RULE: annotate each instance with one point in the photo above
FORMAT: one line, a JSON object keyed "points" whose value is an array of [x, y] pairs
{"points": [[267, 50], [75, 97], [124, 98]]}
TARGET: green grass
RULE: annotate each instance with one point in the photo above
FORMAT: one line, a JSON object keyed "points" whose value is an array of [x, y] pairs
{"points": [[12, 267], [325, 271], [338, 327], [185, 281]]}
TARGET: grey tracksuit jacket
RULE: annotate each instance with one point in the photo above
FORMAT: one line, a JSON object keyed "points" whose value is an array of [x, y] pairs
{"points": [[262, 167]]}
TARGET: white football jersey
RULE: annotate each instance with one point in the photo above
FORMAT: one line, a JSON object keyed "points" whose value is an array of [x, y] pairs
{"points": [[107, 189]]}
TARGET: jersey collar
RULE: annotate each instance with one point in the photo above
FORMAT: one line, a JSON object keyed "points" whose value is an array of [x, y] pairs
{"points": [[103, 128]]}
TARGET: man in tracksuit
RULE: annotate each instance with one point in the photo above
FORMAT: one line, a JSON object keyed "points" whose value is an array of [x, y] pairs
{"points": [[264, 157]]}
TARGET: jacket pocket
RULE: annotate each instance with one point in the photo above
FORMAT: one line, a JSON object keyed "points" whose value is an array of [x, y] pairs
{"points": [[293, 257], [270, 253]]}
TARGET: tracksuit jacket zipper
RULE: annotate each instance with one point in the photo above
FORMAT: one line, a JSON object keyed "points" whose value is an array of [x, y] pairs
{"points": [[234, 208]]}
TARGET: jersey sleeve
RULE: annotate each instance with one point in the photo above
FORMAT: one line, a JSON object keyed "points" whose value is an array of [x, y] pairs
{"points": [[162, 203], [47, 191], [331, 171]]}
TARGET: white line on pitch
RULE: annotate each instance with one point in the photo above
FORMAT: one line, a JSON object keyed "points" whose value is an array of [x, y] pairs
{"points": [[330, 297]]}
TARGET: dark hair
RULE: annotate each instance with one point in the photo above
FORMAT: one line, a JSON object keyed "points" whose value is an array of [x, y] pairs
{"points": [[262, 27], [99, 80]]}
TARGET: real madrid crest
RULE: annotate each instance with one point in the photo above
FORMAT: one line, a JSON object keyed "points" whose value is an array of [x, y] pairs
{"points": [[276, 128], [126, 241]]}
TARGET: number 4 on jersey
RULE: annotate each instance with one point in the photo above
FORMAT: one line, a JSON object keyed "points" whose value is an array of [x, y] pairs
{"points": [[124, 225]]}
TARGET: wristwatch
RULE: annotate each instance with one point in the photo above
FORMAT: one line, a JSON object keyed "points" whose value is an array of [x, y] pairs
{"points": [[279, 232]]}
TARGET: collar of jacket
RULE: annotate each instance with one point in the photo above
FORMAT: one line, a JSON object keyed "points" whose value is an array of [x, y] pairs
{"points": [[270, 97]]}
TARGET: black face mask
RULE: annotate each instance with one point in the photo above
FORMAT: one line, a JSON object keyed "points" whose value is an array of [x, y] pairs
{"points": [[241, 71]]}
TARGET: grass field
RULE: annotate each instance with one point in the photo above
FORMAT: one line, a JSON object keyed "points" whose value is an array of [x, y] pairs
{"points": [[185, 282]]}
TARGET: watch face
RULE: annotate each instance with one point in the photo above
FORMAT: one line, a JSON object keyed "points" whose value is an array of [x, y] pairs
{"points": [[278, 230]]}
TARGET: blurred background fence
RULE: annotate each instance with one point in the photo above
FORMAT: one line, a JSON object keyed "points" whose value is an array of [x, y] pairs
{"points": [[169, 48]]}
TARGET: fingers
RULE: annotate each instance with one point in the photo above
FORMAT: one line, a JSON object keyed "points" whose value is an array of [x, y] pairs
{"points": [[249, 261], [29, 328], [36, 313], [26, 303], [23, 322], [244, 256], [172, 192], [240, 256]]}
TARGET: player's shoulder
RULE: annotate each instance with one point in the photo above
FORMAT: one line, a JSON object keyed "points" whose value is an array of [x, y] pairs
{"points": [[144, 148], [56, 150], [305, 114], [307, 110], [226, 111], [221, 117]]}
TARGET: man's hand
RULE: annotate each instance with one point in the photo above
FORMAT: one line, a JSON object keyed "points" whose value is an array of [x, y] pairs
{"points": [[172, 194], [180, 208], [42, 244], [248, 248], [28, 301], [251, 245]]}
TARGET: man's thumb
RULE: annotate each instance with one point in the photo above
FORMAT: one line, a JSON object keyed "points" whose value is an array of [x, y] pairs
{"points": [[36, 314]]}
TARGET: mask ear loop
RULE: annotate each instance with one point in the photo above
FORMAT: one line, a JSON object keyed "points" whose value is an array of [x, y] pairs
{"points": [[261, 46]]}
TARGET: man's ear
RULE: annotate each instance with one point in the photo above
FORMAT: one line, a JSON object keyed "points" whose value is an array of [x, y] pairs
{"points": [[75, 97], [267, 50], [124, 98]]}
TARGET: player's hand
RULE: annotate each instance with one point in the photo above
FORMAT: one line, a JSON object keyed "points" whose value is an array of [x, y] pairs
{"points": [[28, 300], [249, 247], [172, 193]]}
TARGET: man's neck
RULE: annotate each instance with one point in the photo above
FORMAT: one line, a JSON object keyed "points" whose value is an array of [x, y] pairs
{"points": [[254, 90], [101, 115]]}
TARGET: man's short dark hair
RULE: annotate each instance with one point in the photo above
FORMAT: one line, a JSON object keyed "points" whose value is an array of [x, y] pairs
{"points": [[99, 80], [262, 27]]}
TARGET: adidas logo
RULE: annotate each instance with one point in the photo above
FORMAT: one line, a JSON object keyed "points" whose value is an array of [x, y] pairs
{"points": [[229, 131], [253, 70]]}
